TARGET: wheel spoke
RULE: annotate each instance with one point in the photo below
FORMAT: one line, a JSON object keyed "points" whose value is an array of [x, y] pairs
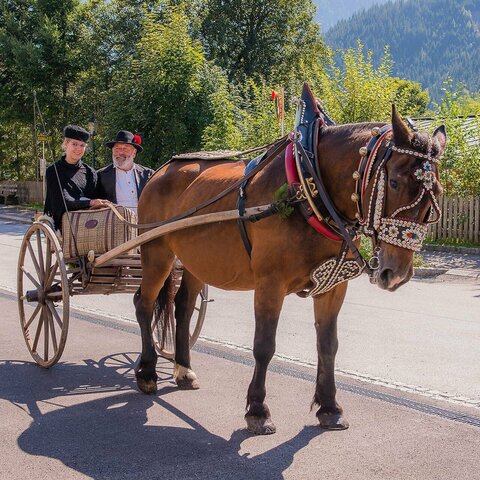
{"points": [[35, 262], [54, 313], [46, 335], [48, 259], [30, 277], [51, 276], [52, 329], [40, 250], [167, 337], [37, 334], [32, 318]]}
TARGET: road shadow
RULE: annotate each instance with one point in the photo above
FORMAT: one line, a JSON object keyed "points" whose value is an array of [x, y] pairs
{"points": [[110, 437]]}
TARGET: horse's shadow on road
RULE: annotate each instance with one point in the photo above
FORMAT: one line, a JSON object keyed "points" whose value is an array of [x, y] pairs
{"points": [[110, 437]]}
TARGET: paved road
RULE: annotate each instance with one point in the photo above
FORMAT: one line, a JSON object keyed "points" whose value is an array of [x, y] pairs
{"points": [[84, 419]]}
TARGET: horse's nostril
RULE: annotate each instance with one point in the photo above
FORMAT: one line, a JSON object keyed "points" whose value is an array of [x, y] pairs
{"points": [[386, 275]]}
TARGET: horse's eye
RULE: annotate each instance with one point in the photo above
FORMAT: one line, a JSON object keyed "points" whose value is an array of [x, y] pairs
{"points": [[394, 184]]}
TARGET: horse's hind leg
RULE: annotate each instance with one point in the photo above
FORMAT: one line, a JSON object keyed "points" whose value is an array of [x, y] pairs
{"points": [[268, 304], [156, 266], [326, 308], [184, 307]]}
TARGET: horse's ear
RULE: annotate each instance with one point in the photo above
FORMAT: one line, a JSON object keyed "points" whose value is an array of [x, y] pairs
{"points": [[401, 133], [441, 135]]}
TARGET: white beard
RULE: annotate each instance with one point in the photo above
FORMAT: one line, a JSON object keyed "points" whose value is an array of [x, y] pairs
{"points": [[123, 163]]}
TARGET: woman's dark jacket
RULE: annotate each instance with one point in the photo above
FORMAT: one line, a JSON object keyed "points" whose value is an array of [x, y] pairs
{"points": [[79, 183]]}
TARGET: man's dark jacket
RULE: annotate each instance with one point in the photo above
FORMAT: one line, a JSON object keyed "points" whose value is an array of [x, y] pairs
{"points": [[106, 181]]}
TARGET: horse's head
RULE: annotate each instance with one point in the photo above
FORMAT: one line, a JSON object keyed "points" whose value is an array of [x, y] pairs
{"points": [[401, 198]]}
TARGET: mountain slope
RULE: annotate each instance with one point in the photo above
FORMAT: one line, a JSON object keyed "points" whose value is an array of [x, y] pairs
{"points": [[329, 12], [429, 40]]}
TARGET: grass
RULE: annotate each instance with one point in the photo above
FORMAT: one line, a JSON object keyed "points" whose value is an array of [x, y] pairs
{"points": [[36, 206], [366, 251]]}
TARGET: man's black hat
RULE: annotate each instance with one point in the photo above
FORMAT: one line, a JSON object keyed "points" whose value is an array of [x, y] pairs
{"points": [[75, 132], [124, 136]]}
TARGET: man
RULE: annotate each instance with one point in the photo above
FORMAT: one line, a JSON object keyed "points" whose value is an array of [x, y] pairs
{"points": [[70, 182], [122, 181]]}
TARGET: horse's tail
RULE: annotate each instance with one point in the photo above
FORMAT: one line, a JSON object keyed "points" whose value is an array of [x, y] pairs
{"points": [[163, 312]]}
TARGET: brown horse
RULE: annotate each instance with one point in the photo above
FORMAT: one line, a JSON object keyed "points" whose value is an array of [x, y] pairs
{"points": [[284, 250]]}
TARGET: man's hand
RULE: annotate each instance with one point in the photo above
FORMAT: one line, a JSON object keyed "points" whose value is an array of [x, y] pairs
{"points": [[98, 203]]}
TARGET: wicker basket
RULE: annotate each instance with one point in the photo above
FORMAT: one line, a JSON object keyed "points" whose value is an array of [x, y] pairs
{"points": [[98, 230]]}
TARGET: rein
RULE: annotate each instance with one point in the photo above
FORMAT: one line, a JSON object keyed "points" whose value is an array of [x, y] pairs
{"points": [[277, 148]]}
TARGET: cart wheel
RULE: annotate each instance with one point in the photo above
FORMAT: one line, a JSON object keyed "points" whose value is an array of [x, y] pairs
{"points": [[42, 287], [164, 335]]}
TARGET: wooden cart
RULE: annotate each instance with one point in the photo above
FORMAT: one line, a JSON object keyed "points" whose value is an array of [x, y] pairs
{"points": [[46, 281]]}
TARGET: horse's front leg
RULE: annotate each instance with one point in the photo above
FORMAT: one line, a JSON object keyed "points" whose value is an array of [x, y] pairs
{"points": [[326, 308], [268, 303]]}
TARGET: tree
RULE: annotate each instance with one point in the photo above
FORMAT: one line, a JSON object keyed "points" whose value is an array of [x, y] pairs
{"points": [[460, 165], [271, 39], [165, 96], [39, 50], [361, 92]]}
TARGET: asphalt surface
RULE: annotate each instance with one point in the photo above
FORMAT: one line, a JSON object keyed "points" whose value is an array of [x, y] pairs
{"points": [[84, 418]]}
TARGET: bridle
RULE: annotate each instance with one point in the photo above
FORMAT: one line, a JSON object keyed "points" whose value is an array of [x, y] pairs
{"points": [[372, 174]]}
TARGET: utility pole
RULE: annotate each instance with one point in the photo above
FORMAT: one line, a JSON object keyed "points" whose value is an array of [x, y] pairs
{"points": [[35, 152]]}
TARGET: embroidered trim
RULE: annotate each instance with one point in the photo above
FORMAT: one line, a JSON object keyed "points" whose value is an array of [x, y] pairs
{"points": [[402, 233], [333, 272]]}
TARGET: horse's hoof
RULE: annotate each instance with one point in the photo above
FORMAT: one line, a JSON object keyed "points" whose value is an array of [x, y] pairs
{"points": [[260, 425], [185, 378], [332, 421], [147, 386]]}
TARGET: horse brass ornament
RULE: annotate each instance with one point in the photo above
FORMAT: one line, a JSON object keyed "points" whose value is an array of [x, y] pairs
{"points": [[288, 255]]}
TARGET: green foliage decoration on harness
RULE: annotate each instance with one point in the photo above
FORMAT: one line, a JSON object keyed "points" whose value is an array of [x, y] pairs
{"points": [[282, 201]]}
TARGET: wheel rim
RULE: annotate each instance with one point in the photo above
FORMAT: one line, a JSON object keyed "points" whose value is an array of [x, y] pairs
{"points": [[200, 311], [42, 288]]}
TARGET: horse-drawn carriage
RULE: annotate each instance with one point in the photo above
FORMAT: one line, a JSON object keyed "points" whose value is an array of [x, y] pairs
{"points": [[50, 271], [300, 207]]}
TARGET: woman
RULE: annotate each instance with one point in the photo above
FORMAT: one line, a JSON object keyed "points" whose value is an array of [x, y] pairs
{"points": [[70, 182]]}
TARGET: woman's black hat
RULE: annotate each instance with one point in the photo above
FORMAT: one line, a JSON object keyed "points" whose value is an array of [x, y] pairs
{"points": [[76, 133], [124, 136]]}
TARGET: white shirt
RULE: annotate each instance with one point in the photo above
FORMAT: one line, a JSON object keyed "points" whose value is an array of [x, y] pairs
{"points": [[126, 188]]}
